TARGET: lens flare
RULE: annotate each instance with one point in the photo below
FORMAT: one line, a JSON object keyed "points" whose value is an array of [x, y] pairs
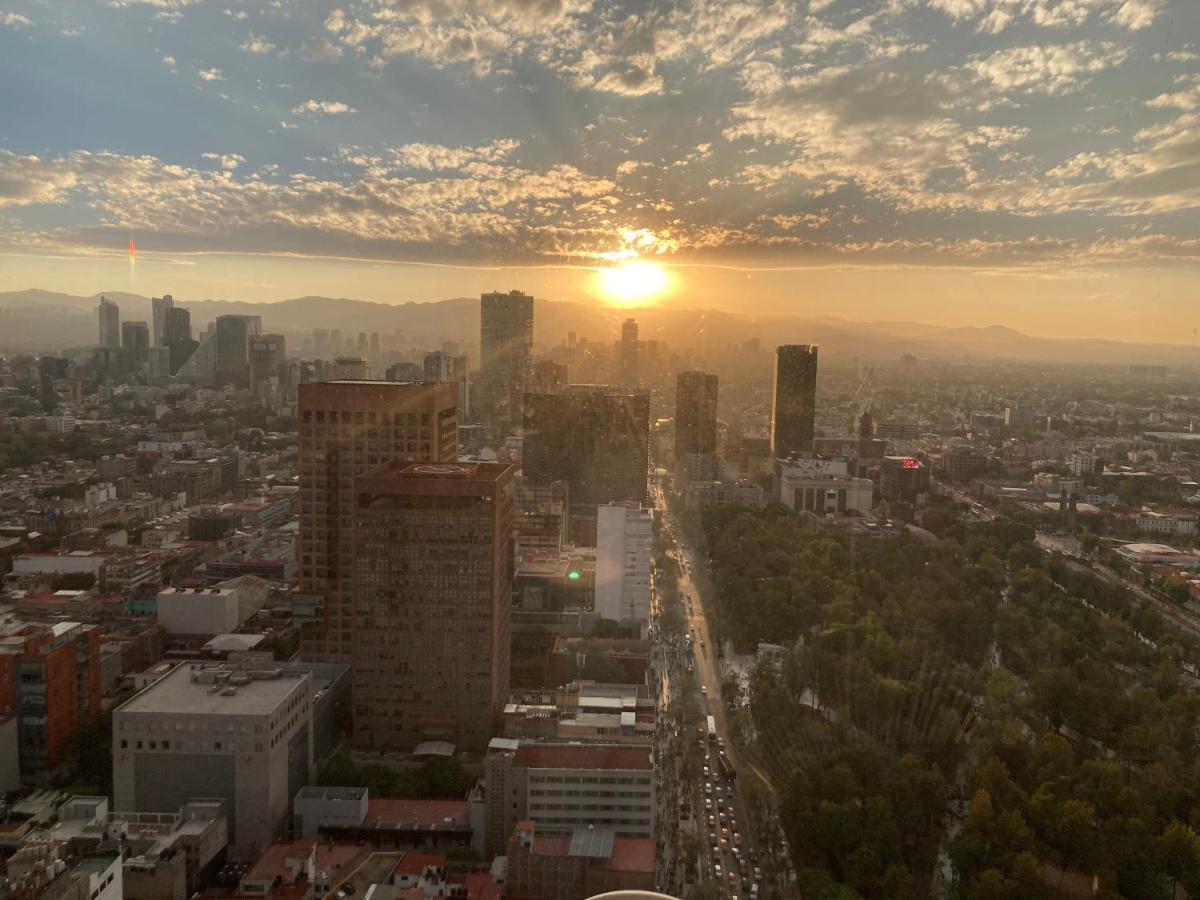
{"points": [[132, 257], [633, 282]]}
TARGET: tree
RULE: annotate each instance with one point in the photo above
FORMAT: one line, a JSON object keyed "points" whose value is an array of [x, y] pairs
{"points": [[1089, 543]]}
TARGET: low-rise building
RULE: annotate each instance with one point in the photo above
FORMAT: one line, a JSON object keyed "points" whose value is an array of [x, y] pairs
{"points": [[584, 863]]}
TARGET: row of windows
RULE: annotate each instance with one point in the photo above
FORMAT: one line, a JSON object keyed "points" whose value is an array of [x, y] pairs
{"points": [[359, 417], [587, 807], [628, 794], [202, 746], [568, 779]]}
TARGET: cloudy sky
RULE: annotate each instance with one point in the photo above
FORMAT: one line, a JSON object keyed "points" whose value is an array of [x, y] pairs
{"points": [[1028, 162]]}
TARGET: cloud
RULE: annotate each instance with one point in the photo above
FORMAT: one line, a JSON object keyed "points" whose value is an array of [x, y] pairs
{"points": [[1048, 68], [435, 157], [211, 75], [995, 16], [168, 61], [26, 180], [14, 20], [323, 107], [258, 45], [320, 49], [228, 161]]}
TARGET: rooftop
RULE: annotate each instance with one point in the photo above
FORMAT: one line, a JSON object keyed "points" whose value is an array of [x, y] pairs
{"points": [[200, 689], [581, 756], [418, 814]]}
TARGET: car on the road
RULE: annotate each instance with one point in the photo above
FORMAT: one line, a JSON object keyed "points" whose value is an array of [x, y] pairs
{"points": [[703, 688], [725, 833], [721, 744], [708, 807], [708, 790], [754, 891], [712, 822], [704, 770], [737, 839], [757, 873], [717, 870]]}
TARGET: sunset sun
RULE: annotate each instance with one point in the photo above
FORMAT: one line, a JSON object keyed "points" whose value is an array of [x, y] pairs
{"points": [[633, 282]]}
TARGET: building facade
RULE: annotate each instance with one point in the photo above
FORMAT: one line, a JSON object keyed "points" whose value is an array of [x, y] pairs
{"points": [[135, 338], [110, 323], [696, 426], [794, 400], [595, 439], [628, 355], [231, 351], [624, 547], [433, 570], [346, 428], [242, 733], [506, 343], [50, 678]]}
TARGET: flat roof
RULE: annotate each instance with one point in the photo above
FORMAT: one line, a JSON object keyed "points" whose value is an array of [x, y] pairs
{"points": [[581, 756], [176, 692]]}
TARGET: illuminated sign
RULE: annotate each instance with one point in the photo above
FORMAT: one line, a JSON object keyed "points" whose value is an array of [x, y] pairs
{"points": [[574, 576], [910, 463]]}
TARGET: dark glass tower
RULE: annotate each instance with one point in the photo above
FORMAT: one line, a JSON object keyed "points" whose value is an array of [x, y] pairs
{"points": [[794, 403]]}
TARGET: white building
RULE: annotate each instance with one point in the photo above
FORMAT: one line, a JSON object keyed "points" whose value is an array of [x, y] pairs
{"points": [[1154, 522], [242, 733], [624, 546], [198, 611], [1082, 463], [822, 489]]}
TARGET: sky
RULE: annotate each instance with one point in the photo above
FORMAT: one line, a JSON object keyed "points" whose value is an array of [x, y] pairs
{"points": [[1033, 163]]}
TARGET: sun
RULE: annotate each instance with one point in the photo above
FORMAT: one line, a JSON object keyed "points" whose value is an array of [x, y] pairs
{"points": [[633, 282]]}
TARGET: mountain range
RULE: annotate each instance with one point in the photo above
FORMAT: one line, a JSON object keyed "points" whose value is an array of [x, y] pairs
{"points": [[35, 321]]}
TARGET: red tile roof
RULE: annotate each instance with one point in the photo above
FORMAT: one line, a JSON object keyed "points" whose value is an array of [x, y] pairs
{"points": [[447, 815], [551, 845], [632, 855], [414, 863], [579, 756]]}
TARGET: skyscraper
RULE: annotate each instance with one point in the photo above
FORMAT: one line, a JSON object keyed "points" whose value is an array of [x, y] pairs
{"points": [[177, 336], [696, 425], [110, 323], [267, 353], [232, 350], [506, 343], [347, 427], [432, 590], [135, 338], [629, 369], [624, 543], [158, 316], [794, 400], [596, 440]]}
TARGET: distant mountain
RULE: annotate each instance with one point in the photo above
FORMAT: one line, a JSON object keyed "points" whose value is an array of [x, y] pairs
{"points": [[46, 321]]}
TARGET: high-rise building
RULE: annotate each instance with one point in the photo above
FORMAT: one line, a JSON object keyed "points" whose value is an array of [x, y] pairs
{"points": [[432, 592], [135, 338], [242, 732], [794, 400], [346, 428], [110, 323], [439, 366], [549, 377], [627, 354], [50, 677], [267, 353], [231, 360], [158, 317], [177, 325], [624, 546], [696, 426], [506, 343], [444, 366], [406, 372], [348, 368], [596, 439]]}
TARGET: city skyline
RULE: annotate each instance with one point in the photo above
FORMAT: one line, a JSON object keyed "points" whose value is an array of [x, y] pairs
{"points": [[1026, 164]]}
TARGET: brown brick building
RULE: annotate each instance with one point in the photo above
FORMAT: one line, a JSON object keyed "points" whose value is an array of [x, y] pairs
{"points": [[346, 428], [584, 863], [433, 569]]}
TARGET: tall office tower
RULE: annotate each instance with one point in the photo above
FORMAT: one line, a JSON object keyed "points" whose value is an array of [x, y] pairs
{"points": [[177, 325], [696, 426], [375, 348], [320, 342], [267, 353], [110, 323], [135, 338], [439, 366], [596, 440], [506, 342], [159, 359], [548, 377], [158, 317], [624, 546], [794, 401], [177, 336], [627, 355], [432, 592], [347, 427], [866, 426], [363, 347], [348, 368], [231, 359]]}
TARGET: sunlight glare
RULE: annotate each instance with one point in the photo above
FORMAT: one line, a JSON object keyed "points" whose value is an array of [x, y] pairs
{"points": [[633, 282]]}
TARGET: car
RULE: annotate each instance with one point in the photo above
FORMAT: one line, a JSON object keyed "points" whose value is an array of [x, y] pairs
{"points": [[725, 833], [712, 822], [757, 873], [735, 852], [705, 771], [712, 838], [703, 688], [708, 807], [737, 838], [721, 744], [733, 879], [754, 890], [708, 790]]}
